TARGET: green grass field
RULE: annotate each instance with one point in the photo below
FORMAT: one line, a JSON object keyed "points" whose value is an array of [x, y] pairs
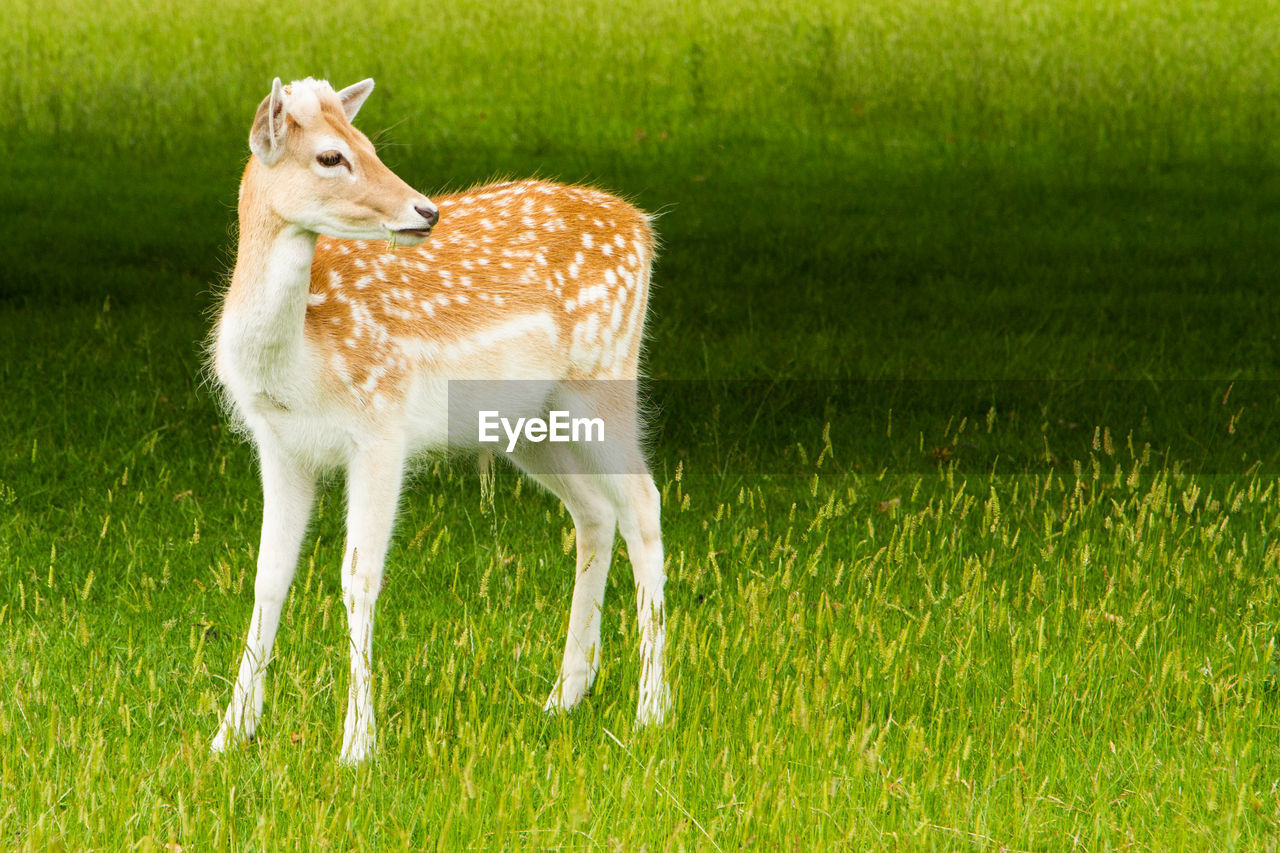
{"points": [[963, 357]]}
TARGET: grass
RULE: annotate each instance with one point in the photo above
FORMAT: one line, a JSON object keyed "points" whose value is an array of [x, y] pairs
{"points": [[963, 363], [916, 660]]}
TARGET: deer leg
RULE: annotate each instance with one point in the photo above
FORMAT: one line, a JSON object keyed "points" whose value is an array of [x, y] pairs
{"points": [[560, 471], [373, 491], [287, 492], [593, 523], [638, 506]]}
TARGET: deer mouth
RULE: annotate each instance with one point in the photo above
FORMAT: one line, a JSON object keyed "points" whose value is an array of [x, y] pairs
{"points": [[410, 237]]}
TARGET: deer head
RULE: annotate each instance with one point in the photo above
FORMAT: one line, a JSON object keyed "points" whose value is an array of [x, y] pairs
{"points": [[321, 174]]}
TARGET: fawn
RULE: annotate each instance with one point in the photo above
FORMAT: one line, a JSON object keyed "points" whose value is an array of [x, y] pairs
{"points": [[355, 300]]}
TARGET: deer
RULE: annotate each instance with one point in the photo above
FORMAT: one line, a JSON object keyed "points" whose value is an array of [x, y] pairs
{"points": [[356, 301]]}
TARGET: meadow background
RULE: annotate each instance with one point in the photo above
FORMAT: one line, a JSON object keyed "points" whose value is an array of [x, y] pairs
{"points": [[964, 360]]}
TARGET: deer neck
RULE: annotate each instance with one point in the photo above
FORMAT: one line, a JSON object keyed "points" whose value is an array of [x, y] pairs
{"points": [[261, 334]]}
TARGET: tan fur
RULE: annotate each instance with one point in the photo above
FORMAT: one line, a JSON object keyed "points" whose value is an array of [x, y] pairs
{"points": [[499, 251]]}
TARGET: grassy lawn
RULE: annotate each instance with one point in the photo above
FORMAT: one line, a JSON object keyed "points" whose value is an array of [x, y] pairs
{"points": [[963, 360]]}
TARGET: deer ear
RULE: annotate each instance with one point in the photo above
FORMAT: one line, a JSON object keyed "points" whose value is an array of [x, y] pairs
{"points": [[353, 97], [266, 139]]}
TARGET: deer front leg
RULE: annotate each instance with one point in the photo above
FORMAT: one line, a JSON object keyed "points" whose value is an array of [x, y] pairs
{"points": [[287, 494], [373, 491]]}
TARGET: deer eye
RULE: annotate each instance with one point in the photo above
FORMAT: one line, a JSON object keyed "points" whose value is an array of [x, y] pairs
{"points": [[329, 158]]}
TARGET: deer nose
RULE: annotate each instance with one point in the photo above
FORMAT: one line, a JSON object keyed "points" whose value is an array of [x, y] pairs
{"points": [[428, 213]]}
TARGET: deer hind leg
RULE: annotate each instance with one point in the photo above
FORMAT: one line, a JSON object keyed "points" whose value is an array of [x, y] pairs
{"points": [[638, 505], [616, 470], [594, 523], [373, 492], [288, 492], [626, 480]]}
